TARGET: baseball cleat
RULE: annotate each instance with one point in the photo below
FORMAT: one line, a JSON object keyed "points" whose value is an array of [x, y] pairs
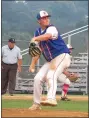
{"points": [[35, 107], [49, 102], [65, 99]]}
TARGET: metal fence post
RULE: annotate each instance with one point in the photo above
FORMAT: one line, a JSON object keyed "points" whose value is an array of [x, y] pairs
{"points": [[69, 39], [87, 79]]}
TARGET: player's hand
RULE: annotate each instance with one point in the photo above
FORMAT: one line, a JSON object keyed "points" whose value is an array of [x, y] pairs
{"points": [[32, 40], [19, 69], [31, 69]]}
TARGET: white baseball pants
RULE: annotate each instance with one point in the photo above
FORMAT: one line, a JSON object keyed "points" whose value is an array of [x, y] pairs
{"points": [[48, 72], [63, 79]]}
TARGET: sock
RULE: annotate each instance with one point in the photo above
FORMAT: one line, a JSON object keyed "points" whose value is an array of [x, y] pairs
{"points": [[65, 90]]}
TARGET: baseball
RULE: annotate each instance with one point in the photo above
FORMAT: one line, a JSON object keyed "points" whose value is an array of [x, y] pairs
{"points": [[32, 70], [36, 42]]}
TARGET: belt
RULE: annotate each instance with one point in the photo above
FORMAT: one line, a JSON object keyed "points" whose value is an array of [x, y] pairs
{"points": [[10, 64]]}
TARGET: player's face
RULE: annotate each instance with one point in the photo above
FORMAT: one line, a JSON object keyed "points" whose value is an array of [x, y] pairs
{"points": [[44, 21]]}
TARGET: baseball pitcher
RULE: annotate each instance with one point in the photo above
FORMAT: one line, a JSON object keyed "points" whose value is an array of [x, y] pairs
{"points": [[56, 53]]}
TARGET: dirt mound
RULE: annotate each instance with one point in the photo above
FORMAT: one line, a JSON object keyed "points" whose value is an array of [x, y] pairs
{"points": [[41, 113]]}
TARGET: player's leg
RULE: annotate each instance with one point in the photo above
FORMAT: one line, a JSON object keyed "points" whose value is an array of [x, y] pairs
{"points": [[66, 83], [61, 62], [38, 81]]}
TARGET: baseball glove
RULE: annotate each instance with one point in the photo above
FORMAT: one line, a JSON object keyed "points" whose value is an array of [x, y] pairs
{"points": [[34, 50], [73, 77]]}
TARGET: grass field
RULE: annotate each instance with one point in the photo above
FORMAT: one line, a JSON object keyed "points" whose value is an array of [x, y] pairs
{"points": [[62, 105]]}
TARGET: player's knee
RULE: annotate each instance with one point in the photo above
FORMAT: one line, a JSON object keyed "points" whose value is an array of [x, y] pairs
{"points": [[38, 79], [67, 81], [50, 74]]}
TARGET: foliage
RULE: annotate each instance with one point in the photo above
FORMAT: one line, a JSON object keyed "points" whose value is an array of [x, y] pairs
{"points": [[19, 20]]}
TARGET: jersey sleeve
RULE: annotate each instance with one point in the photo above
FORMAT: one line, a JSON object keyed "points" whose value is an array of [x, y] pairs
{"points": [[53, 31]]}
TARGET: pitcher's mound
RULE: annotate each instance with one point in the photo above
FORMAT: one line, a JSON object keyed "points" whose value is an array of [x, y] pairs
{"points": [[41, 113]]}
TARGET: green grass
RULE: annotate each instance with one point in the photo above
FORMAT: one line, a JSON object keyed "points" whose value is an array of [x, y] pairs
{"points": [[17, 94], [62, 105]]}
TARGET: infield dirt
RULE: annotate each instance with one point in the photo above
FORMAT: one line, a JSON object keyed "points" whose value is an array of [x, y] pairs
{"points": [[7, 112]]}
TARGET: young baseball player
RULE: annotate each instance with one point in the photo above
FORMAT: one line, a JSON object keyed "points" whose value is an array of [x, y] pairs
{"points": [[57, 56]]}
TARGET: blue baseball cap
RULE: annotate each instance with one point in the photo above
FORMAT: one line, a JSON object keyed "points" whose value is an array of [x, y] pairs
{"points": [[42, 14]]}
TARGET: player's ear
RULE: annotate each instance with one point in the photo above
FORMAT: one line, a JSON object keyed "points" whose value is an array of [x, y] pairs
{"points": [[38, 21]]}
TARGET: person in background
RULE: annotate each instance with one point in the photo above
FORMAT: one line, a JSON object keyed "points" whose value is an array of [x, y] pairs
{"points": [[11, 61]]}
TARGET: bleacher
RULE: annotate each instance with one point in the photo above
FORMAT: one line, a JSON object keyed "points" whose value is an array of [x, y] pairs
{"points": [[25, 80]]}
